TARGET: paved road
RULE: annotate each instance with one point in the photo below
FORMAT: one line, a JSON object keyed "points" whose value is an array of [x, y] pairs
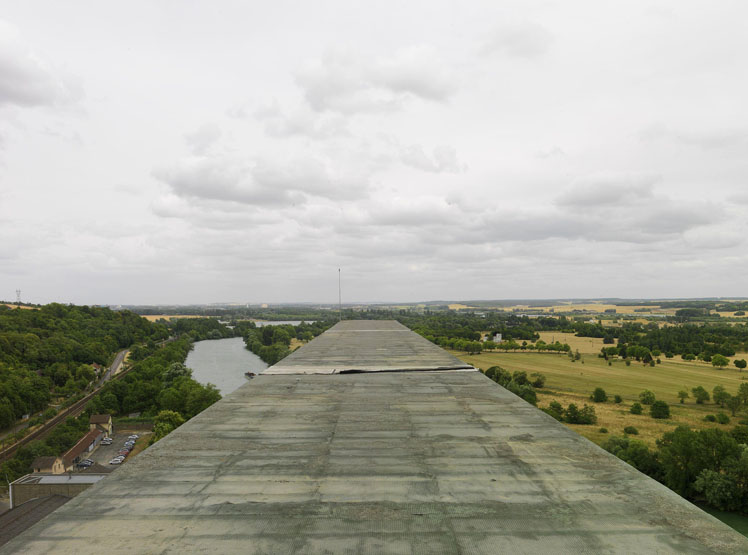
{"points": [[114, 368]]}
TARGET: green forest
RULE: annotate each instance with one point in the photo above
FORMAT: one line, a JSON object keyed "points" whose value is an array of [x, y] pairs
{"points": [[47, 354]]}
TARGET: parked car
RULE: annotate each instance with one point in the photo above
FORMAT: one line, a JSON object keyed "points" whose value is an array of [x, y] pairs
{"points": [[107, 441], [133, 436], [115, 461]]}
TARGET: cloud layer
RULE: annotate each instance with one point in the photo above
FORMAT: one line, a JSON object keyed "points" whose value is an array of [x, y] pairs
{"points": [[493, 151]]}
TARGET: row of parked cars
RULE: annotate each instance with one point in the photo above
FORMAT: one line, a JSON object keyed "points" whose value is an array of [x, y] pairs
{"points": [[126, 448]]}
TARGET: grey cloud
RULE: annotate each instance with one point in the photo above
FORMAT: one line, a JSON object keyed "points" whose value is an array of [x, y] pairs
{"points": [[523, 40], [306, 123], [608, 190], [260, 183], [740, 198], [341, 82], [25, 79], [219, 180], [200, 140], [442, 160], [705, 138]]}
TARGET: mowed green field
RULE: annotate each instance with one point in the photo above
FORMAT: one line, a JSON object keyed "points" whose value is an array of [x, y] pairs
{"points": [[568, 381]]}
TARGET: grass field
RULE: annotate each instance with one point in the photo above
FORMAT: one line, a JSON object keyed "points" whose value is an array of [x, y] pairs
{"points": [[22, 306], [573, 382]]}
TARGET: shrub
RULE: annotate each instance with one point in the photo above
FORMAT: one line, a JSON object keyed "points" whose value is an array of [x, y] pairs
{"points": [[618, 399], [603, 430], [573, 415], [636, 408], [741, 364], [49, 413], [599, 395], [710, 418], [539, 379], [700, 394], [628, 362], [722, 418], [659, 409], [740, 433], [688, 356], [646, 397], [631, 431], [555, 410]]}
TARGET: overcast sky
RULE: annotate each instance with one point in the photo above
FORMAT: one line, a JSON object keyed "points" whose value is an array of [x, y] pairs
{"points": [[180, 152]]}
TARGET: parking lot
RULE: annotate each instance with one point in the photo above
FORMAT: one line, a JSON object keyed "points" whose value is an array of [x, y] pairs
{"points": [[104, 453]]}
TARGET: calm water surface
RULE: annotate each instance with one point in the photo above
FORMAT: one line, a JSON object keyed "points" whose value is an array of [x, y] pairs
{"points": [[223, 362]]}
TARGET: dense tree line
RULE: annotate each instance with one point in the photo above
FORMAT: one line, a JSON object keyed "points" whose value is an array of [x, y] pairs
{"points": [[688, 340], [160, 382], [49, 352], [272, 343], [709, 465]]}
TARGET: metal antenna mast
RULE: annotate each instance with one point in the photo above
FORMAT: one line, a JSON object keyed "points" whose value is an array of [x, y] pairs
{"points": [[18, 297], [340, 299]]}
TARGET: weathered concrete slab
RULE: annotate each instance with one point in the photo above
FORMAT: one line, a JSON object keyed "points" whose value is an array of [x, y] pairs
{"points": [[367, 346], [394, 462]]}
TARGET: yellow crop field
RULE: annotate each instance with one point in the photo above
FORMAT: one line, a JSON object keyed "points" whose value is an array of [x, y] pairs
{"points": [[590, 345], [22, 306]]}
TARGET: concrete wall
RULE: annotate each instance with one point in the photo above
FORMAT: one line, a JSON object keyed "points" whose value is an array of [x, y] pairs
{"points": [[20, 493]]}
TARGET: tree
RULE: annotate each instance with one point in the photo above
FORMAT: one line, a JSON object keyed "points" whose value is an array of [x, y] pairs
{"points": [[719, 490], [682, 395], [636, 408], [720, 395], [733, 403], [647, 397], [700, 394], [599, 395], [743, 393], [741, 364], [720, 361], [659, 409], [176, 370], [538, 379]]}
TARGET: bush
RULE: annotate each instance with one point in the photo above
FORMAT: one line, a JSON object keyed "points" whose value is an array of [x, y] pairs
{"points": [[618, 399], [636, 408], [722, 418], [628, 362], [538, 379], [688, 356], [740, 434], [700, 394], [599, 395], [710, 418], [555, 410], [50, 413], [603, 430], [660, 409], [573, 415], [741, 364], [631, 431], [646, 397]]}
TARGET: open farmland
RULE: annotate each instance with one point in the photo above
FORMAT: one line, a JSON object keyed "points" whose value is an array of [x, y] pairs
{"points": [[569, 382], [585, 345]]}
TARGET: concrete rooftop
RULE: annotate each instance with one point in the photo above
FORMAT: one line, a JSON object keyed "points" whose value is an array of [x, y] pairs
{"points": [[388, 462], [367, 346]]}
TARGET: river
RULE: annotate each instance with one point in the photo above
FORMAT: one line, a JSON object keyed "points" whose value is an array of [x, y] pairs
{"points": [[223, 363]]}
